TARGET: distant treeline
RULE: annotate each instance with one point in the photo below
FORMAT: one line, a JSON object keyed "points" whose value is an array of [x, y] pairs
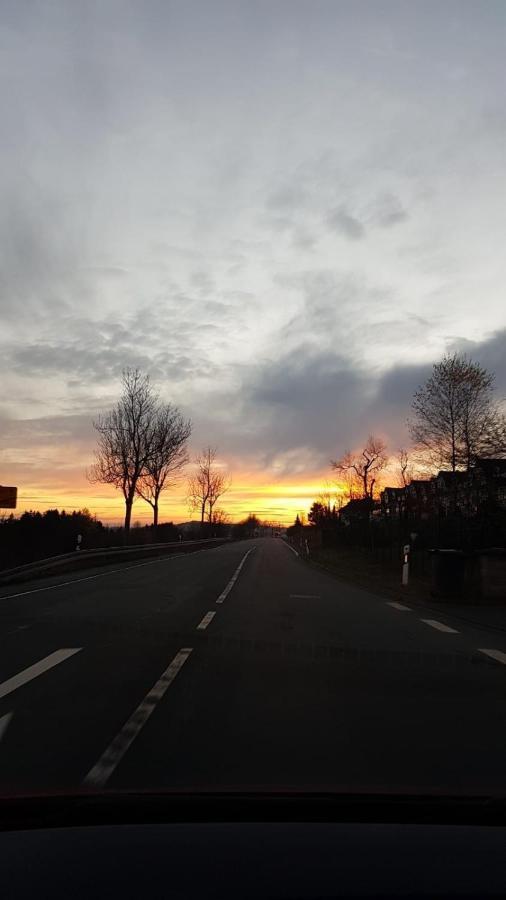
{"points": [[38, 535]]}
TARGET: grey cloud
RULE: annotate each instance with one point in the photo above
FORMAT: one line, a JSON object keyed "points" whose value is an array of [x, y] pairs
{"points": [[281, 222], [169, 340], [291, 407], [303, 239], [37, 253], [104, 361], [157, 168], [490, 353], [202, 282], [312, 405], [288, 198], [341, 220], [389, 211], [113, 272], [336, 307], [384, 212], [47, 430]]}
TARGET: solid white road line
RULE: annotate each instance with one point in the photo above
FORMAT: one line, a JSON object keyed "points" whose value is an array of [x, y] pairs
{"points": [[498, 655], [395, 605], [208, 618], [4, 724], [224, 594], [52, 587], [37, 669], [290, 548], [112, 756], [439, 626], [149, 562]]}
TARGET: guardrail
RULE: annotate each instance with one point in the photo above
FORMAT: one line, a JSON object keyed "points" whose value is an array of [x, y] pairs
{"points": [[81, 559]]}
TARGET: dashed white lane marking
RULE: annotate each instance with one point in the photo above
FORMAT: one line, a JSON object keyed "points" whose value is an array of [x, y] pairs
{"points": [[439, 626], [304, 596], [498, 655], [37, 669], [224, 594], [395, 605], [208, 618], [290, 548], [112, 756], [4, 724]]}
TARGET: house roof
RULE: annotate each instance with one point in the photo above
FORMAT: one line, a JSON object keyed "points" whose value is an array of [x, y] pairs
{"points": [[420, 483], [359, 505], [451, 476], [492, 466]]}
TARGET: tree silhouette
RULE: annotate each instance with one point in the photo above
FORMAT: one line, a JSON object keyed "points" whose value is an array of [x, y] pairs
{"points": [[169, 454], [455, 417], [126, 438], [364, 465]]}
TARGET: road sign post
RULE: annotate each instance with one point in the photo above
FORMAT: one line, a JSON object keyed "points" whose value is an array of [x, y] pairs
{"points": [[8, 497], [405, 565]]}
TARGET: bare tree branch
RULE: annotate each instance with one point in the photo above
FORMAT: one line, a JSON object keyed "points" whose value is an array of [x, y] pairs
{"points": [[455, 417], [405, 467], [126, 438], [206, 485], [169, 455], [364, 466]]}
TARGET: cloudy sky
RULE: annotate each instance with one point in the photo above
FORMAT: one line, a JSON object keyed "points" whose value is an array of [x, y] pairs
{"points": [[283, 211]]}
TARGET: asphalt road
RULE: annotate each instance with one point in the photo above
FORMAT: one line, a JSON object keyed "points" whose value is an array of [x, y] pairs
{"points": [[171, 674]]}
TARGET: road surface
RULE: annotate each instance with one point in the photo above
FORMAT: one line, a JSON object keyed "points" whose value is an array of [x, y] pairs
{"points": [[243, 667]]}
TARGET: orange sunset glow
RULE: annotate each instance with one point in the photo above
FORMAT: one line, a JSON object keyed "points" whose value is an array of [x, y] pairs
{"points": [[278, 501]]}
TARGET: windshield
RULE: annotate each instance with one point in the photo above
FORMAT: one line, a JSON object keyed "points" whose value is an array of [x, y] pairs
{"points": [[252, 424]]}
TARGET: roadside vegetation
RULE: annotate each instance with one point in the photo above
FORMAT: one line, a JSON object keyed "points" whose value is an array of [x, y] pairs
{"points": [[445, 491]]}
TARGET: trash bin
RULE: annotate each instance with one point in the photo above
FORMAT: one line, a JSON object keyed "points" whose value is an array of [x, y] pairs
{"points": [[448, 574], [491, 580]]}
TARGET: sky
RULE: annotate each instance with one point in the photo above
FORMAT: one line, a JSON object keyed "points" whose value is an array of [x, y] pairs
{"points": [[284, 212]]}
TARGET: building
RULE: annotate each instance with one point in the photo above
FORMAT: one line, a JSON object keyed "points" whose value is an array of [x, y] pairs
{"points": [[420, 499], [489, 484], [468, 494], [358, 510], [453, 494], [393, 502]]}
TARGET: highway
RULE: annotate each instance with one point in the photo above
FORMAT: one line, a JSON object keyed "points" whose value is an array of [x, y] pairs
{"points": [[242, 667]]}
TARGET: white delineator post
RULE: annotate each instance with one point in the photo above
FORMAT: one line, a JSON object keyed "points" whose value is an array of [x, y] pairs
{"points": [[405, 565], [79, 539]]}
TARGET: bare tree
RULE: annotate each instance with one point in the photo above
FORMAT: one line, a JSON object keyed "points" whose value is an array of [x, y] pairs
{"points": [[405, 467], [455, 416], [197, 494], [364, 466], [353, 486], [220, 517], [206, 485], [483, 425], [126, 438], [169, 455], [437, 410], [329, 498], [219, 483]]}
